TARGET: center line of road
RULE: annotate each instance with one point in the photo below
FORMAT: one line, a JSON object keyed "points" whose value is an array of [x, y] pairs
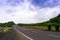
{"points": [[54, 35], [24, 35]]}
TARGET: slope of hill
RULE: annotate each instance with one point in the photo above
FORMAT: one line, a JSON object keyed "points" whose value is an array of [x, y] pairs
{"points": [[53, 21], [8, 24]]}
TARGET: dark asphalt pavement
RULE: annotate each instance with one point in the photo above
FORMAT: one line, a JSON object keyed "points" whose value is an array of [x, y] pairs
{"points": [[19, 33], [8, 35], [0, 28], [38, 34]]}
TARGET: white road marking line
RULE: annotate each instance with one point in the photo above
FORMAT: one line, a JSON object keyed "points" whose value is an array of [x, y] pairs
{"points": [[24, 35], [54, 35]]}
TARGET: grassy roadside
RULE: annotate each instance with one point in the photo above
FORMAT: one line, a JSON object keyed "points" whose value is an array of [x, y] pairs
{"points": [[3, 31], [44, 28]]}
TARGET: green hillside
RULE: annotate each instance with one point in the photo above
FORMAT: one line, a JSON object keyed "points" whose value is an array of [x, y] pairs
{"points": [[55, 20], [7, 24]]}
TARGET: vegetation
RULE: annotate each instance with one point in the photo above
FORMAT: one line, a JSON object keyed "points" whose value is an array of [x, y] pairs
{"points": [[3, 31], [53, 22], [8, 24], [49, 27], [57, 27]]}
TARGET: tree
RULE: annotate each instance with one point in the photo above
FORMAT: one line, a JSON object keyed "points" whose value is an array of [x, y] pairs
{"points": [[57, 27], [49, 27], [8, 24]]}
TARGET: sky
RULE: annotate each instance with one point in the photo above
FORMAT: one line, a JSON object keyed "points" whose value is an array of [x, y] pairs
{"points": [[28, 11]]}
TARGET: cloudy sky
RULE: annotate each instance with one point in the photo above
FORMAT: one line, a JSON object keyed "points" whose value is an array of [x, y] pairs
{"points": [[28, 11]]}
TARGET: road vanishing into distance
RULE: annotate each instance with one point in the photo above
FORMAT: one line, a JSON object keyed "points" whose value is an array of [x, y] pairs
{"points": [[19, 33]]}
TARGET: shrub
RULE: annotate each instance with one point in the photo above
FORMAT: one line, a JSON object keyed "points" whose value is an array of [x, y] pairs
{"points": [[57, 27], [49, 27]]}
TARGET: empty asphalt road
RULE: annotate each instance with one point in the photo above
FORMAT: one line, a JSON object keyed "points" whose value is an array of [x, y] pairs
{"points": [[31, 34], [10, 35]]}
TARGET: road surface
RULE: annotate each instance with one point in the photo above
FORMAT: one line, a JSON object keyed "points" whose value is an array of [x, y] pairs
{"points": [[19, 33], [8, 35], [31, 34], [0, 28]]}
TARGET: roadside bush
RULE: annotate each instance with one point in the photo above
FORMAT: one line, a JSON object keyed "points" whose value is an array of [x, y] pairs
{"points": [[57, 27], [49, 27]]}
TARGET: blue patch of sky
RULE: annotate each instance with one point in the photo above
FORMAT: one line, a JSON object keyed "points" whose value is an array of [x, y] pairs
{"points": [[45, 3], [10, 2], [14, 2], [2, 3]]}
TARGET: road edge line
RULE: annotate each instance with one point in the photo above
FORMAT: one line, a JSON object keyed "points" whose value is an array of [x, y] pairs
{"points": [[24, 35]]}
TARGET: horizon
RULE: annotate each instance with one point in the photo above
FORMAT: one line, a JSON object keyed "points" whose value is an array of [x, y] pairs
{"points": [[28, 11]]}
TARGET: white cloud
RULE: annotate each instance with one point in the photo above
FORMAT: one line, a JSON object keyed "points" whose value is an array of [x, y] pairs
{"points": [[45, 14], [23, 13]]}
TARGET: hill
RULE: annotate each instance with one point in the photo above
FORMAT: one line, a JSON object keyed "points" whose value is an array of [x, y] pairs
{"points": [[53, 21], [7, 24]]}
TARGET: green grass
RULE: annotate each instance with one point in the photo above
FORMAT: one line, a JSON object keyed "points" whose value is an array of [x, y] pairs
{"points": [[2, 32]]}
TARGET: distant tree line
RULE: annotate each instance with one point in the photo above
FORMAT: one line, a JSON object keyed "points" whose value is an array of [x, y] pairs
{"points": [[52, 22], [8, 24]]}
